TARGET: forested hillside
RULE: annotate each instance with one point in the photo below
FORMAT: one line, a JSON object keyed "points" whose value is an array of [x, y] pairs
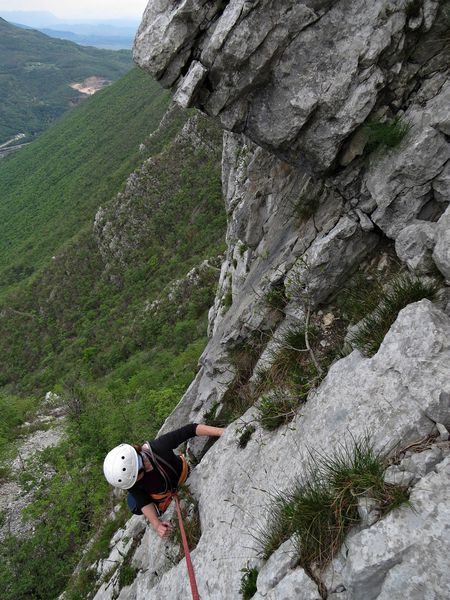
{"points": [[36, 73], [110, 313], [53, 187]]}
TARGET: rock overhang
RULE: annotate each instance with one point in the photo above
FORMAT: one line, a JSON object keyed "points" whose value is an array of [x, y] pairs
{"points": [[298, 78]]}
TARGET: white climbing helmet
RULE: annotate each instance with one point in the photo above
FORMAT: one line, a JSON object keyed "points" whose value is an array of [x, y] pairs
{"points": [[121, 466]]}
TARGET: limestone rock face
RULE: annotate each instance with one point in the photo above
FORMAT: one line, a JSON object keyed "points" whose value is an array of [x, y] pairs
{"points": [[303, 80], [295, 77], [415, 244], [401, 556]]}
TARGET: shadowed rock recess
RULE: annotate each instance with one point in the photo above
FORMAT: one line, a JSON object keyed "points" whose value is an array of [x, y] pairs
{"points": [[335, 166]]}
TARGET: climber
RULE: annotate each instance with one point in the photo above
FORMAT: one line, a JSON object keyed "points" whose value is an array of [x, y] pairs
{"points": [[152, 472]]}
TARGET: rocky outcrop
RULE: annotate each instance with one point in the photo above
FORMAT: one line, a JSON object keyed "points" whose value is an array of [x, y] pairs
{"points": [[296, 77], [126, 225], [45, 431], [303, 80]]}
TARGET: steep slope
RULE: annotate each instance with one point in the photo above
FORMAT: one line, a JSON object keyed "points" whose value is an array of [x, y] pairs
{"points": [[36, 75], [329, 349], [115, 325], [52, 188]]}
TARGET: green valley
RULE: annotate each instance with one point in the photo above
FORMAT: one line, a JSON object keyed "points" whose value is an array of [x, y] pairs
{"points": [[52, 188], [36, 73]]}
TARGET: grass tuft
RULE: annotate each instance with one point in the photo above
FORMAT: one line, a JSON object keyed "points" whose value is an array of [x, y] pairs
{"points": [[240, 395], [319, 509], [403, 290], [277, 408], [276, 297], [386, 133]]}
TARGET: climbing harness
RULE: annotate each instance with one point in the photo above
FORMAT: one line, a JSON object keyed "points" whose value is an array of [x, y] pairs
{"points": [[164, 499]]}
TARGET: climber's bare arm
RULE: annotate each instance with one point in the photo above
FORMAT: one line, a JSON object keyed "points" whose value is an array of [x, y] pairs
{"points": [[207, 430], [162, 528]]}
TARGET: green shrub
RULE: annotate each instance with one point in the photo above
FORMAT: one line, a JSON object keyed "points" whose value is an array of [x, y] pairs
{"points": [[245, 435], [386, 133], [248, 582], [127, 574], [227, 300], [307, 207], [402, 290], [319, 509], [243, 249]]}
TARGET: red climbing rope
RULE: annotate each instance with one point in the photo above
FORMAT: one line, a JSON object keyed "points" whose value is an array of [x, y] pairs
{"points": [[187, 554]]}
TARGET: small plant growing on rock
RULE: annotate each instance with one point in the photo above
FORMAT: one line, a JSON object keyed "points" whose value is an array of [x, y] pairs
{"points": [[276, 297], [403, 290], [248, 582], [127, 574], [243, 249], [307, 207], [227, 300], [240, 395], [386, 133], [245, 435], [277, 408], [319, 509]]}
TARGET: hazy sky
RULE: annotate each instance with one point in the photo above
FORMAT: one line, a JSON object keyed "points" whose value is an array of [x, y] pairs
{"points": [[80, 9]]}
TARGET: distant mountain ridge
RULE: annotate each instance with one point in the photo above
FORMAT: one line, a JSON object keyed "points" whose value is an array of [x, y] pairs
{"points": [[42, 19], [36, 74], [105, 41]]}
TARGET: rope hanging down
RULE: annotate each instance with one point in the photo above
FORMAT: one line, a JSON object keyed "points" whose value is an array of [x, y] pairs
{"points": [[187, 554]]}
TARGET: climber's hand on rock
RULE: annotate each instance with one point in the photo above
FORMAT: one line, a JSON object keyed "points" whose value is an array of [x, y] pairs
{"points": [[163, 529]]}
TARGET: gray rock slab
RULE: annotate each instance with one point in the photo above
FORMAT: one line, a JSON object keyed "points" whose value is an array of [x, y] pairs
{"points": [[443, 432], [296, 585], [394, 475], [275, 569], [298, 78], [405, 555], [400, 181], [421, 463], [328, 261], [441, 253], [414, 246], [185, 94]]}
